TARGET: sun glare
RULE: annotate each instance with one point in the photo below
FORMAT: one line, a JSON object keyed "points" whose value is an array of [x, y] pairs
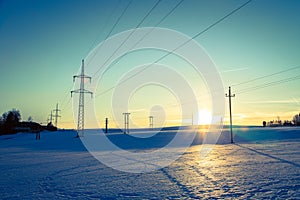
{"points": [[204, 117]]}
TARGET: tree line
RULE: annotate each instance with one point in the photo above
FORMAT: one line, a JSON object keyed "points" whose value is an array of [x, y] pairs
{"points": [[294, 122], [10, 122]]}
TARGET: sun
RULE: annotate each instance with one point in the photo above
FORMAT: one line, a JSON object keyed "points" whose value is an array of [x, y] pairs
{"points": [[204, 117]]}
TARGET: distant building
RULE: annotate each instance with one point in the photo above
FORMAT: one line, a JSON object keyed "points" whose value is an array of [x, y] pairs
{"points": [[33, 127], [50, 127], [28, 127]]}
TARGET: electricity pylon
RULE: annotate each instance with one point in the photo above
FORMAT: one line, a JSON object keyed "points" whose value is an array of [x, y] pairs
{"points": [[81, 91], [126, 122], [151, 122], [229, 95], [56, 114]]}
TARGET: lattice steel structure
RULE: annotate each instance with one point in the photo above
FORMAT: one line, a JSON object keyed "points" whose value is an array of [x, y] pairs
{"points": [[56, 114], [151, 122], [126, 122], [81, 91]]}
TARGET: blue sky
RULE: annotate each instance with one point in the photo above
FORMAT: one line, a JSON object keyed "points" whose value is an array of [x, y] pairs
{"points": [[42, 43]]}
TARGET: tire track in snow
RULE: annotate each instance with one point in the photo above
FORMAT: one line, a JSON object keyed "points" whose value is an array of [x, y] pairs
{"points": [[269, 156], [182, 186], [172, 179], [48, 184], [215, 184], [78, 170], [208, 178]]}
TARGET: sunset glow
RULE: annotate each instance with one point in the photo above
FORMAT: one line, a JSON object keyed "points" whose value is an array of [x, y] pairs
{"points": [[205, 117]]}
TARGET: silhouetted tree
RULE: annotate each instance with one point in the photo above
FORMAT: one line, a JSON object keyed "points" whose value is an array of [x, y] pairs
{"points": [[1, 123], [264, 123], [296, 120], [12, 117], [10, 120], [287, 123]]}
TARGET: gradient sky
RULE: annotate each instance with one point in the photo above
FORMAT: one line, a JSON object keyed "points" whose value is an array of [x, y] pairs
{"points": [[42, 43]]}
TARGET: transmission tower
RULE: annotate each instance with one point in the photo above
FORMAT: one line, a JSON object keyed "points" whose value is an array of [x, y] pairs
{"points": [[81, 91], [126, 122], [151, 122], [56, 114], [229, 95]]}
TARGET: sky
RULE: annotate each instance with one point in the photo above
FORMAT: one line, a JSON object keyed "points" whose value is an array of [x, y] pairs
{"points": [[42, 43]]}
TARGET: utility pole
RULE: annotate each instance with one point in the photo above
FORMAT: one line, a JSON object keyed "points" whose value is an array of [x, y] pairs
{"points": [[106, 124], [56, 114], [81, 91], [126, 122], [229, 95], [151, 122]]}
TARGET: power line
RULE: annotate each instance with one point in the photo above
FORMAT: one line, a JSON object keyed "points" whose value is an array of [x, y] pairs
{"points": [[247, 89], [266, 76], [273, 83], [118, 20], [169, 13], [222, 19], [64, 102], [142, 38], [149, 12], [106, 23], [181, 45], [195, 36], [131, 33], [112, 28], [109, 33], [243, 90], [64, 106], [67, 104]]}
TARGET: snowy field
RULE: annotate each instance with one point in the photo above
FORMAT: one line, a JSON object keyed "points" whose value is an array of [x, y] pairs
{"points": [[263, 163]]}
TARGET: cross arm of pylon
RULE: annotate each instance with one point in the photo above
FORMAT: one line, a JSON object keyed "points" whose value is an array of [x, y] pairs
{"points": [[89, 92], [81, 91], [57, 115], [82, 76]]}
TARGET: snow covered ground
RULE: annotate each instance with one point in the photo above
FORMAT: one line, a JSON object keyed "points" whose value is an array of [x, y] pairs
{"points": [[264, 163]]}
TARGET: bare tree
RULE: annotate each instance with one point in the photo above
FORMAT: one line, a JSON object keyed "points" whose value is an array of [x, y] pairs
{"points": [[296, 119]]}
